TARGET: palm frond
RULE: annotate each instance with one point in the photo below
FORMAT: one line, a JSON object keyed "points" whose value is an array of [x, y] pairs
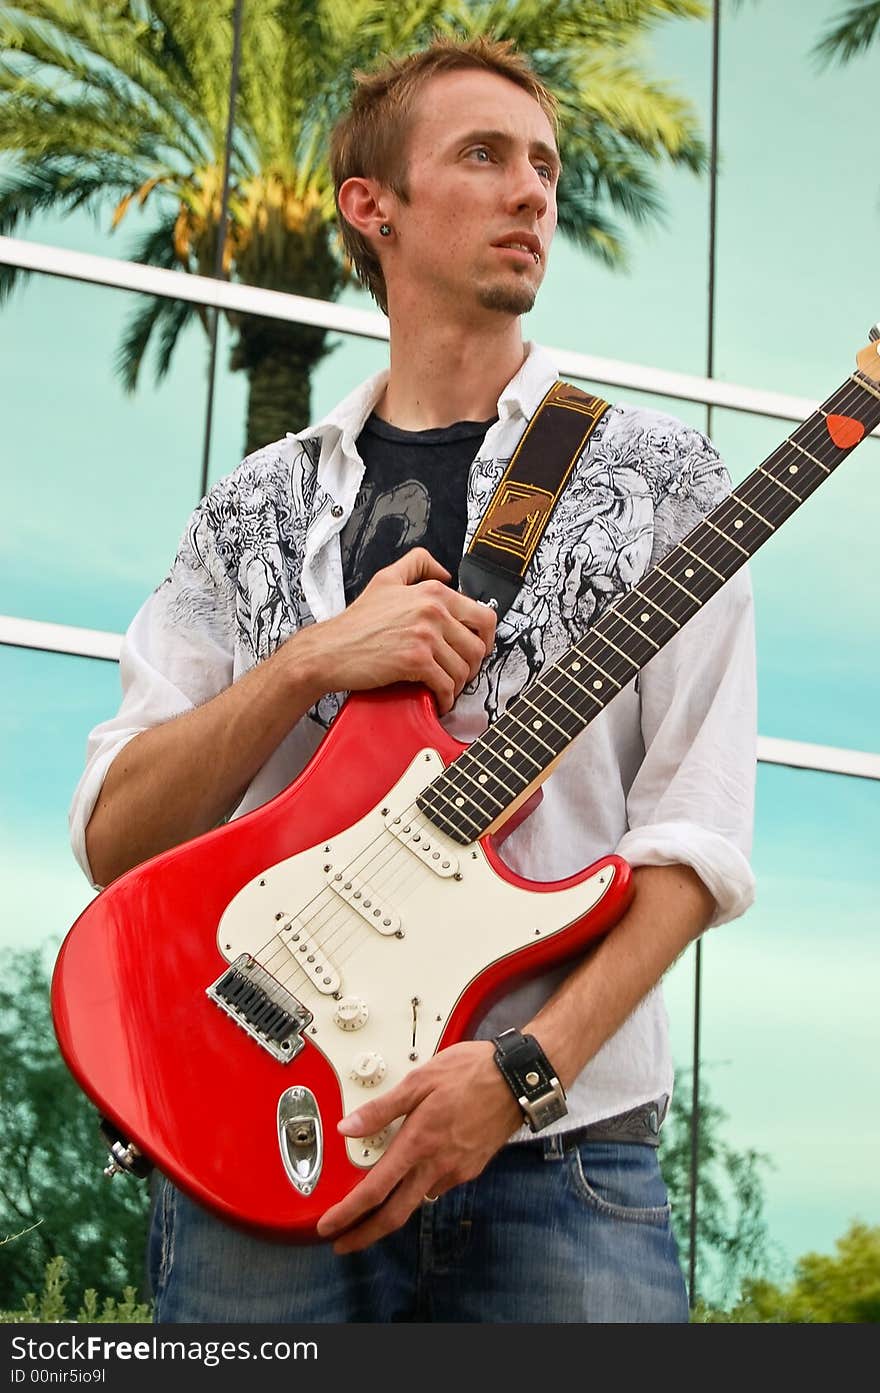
{"points": [[851, 34]]}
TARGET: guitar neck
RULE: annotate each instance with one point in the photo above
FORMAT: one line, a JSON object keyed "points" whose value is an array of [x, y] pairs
{"points": [[499, 770]]}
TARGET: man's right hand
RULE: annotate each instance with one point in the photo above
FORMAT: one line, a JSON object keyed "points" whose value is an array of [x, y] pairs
{"points": [[178, 779], [407, 625]]}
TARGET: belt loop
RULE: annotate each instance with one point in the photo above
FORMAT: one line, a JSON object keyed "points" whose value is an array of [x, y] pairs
{"points": [[554, 1147]]}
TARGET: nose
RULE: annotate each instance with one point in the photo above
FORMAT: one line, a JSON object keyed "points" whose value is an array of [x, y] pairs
{"points": [[527, 190]]}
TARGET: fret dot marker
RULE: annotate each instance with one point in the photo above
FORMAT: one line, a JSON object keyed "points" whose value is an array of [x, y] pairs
{"points": [[508, 753], [575, 667], [688, 570], [792, 469], [482, 778], [459, 802], [738, 523], [597, 684], [536, 725], [644, 618]]}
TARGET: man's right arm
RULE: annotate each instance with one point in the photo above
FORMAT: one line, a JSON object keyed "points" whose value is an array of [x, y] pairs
{"points": [[181, 778]]}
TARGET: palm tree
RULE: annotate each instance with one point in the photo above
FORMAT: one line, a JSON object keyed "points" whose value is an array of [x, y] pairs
{"points": [[106, 104], [851, 34]]}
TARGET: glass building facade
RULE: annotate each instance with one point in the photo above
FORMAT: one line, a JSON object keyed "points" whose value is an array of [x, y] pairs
{"points": [[97, 485]]}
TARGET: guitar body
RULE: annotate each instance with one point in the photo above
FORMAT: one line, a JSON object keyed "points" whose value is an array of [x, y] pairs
{"points": [[227, 1002]]}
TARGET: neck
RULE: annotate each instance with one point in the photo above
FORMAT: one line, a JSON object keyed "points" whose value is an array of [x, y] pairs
{"points": [[444, 372]]}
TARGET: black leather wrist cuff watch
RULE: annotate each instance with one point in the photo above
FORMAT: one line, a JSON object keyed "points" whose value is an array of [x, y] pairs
{"points": [[531, 1077]]}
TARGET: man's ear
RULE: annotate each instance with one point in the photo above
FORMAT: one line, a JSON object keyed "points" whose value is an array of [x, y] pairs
{"points": [[362, 202]]}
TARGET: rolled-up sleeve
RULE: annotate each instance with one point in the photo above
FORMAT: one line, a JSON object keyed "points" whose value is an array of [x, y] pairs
{"points": [[692, 800], [176, 654]]}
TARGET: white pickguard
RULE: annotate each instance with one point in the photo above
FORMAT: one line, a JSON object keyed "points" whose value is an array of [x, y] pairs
{"points": [[452, 928]]}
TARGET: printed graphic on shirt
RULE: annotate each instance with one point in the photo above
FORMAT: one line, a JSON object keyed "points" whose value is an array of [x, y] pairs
{"points": [[644, 481], [385, 523]]}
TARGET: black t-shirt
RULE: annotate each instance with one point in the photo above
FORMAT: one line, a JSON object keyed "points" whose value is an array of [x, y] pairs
{"points": [[413, 494]]}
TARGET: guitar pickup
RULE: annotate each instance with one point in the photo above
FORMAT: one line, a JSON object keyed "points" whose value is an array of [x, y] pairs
{"points": [[365, 901], [258, 1003], [426, 842]]}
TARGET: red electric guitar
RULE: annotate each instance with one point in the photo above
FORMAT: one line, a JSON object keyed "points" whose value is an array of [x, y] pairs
{"points": [[227, 1002]]}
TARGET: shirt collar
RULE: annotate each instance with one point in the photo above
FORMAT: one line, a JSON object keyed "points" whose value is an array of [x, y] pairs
{"points": [[519, 398]]}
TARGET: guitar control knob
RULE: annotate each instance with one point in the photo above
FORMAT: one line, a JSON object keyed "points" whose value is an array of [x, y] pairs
{"points": [[368, 1069], [351, 1013]]}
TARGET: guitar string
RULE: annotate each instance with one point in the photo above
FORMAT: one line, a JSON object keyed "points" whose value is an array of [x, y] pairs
{"points": [[767, 492]]}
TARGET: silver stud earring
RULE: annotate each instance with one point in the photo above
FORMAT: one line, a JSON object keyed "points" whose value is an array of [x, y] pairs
{"points": [[385, 230]]}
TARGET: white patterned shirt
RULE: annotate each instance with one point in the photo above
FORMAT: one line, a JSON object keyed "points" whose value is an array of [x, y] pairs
{"points": [[664, 775]]}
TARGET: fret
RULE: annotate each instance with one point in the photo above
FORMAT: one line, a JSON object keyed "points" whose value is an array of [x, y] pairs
{"points": [[511, 750], [711, 524], [619, 651], [549, 693], [702, 561], [578, 715], [779, 483], [481, 781], [647, 597], [599, 668], [456, 803], [863, 382], [766, 521], [814, 458], [681, 587], [673, 601], [542, 715], [651, 615], [516, 720], [619, 614], [484, 777]]}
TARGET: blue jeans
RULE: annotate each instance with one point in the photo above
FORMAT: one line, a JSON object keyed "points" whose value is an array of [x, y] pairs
{"points": [[547, 1233]]}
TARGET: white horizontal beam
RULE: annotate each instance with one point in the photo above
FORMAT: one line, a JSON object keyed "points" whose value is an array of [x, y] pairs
{"points": [[200, 290], [98, 643], [829, 759], [273, 304], [59, 638]]}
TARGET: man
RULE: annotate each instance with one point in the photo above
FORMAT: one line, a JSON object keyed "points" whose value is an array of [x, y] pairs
{"points": [[446, 171]]}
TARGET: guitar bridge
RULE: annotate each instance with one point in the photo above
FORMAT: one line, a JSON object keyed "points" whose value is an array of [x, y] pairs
{"points": [[257, 1002]]}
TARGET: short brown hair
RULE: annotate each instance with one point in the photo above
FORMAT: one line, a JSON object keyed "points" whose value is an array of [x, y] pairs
{"points": [[370, 140]]}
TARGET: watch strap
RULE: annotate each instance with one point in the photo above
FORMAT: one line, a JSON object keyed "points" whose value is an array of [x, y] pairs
{"points": [[531, 1078]]}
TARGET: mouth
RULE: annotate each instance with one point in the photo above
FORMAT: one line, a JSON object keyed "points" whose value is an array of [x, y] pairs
{"points": [[521, 246]]}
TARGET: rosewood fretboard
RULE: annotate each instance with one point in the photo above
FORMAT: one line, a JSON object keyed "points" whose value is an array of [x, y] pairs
{"points": [[502, 767]]}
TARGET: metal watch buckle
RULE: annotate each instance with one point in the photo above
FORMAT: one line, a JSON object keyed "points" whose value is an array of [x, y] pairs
{"points": [[540, 1112]]}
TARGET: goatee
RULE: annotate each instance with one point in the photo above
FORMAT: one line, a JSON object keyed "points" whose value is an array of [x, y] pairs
{"points": [[508, 299]]}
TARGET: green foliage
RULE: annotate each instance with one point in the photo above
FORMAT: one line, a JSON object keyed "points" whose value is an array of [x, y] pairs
{"points": [[53, 1196], [124, 102], [732, 1242], [51, 1304], [851, 34], [825, 1290]]}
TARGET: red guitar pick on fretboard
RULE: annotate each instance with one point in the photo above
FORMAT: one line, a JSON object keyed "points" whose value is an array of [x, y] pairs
{"points": [[844, 431]]}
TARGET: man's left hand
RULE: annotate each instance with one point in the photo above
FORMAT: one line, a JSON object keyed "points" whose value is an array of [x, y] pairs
{"points": [[458, 1111]]}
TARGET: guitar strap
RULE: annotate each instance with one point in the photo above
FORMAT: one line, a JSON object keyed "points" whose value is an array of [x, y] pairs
{"points": [[507, 538]]}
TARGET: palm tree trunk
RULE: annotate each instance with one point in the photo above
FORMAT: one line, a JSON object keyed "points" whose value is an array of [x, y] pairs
{"points": [[279, 399]]}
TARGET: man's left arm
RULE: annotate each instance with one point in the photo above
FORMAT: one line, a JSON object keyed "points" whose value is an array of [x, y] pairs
{"points": [[459, 1110], [689, 814]]}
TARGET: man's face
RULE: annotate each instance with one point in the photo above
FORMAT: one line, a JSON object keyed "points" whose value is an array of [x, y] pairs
{"points": [[482, 170]]}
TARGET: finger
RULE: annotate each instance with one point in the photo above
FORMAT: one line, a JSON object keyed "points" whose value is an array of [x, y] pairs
{"points": [[479, 618], [392, 1215], [469, 646], [369, 1193], [369, 1118], [415, 565]]}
